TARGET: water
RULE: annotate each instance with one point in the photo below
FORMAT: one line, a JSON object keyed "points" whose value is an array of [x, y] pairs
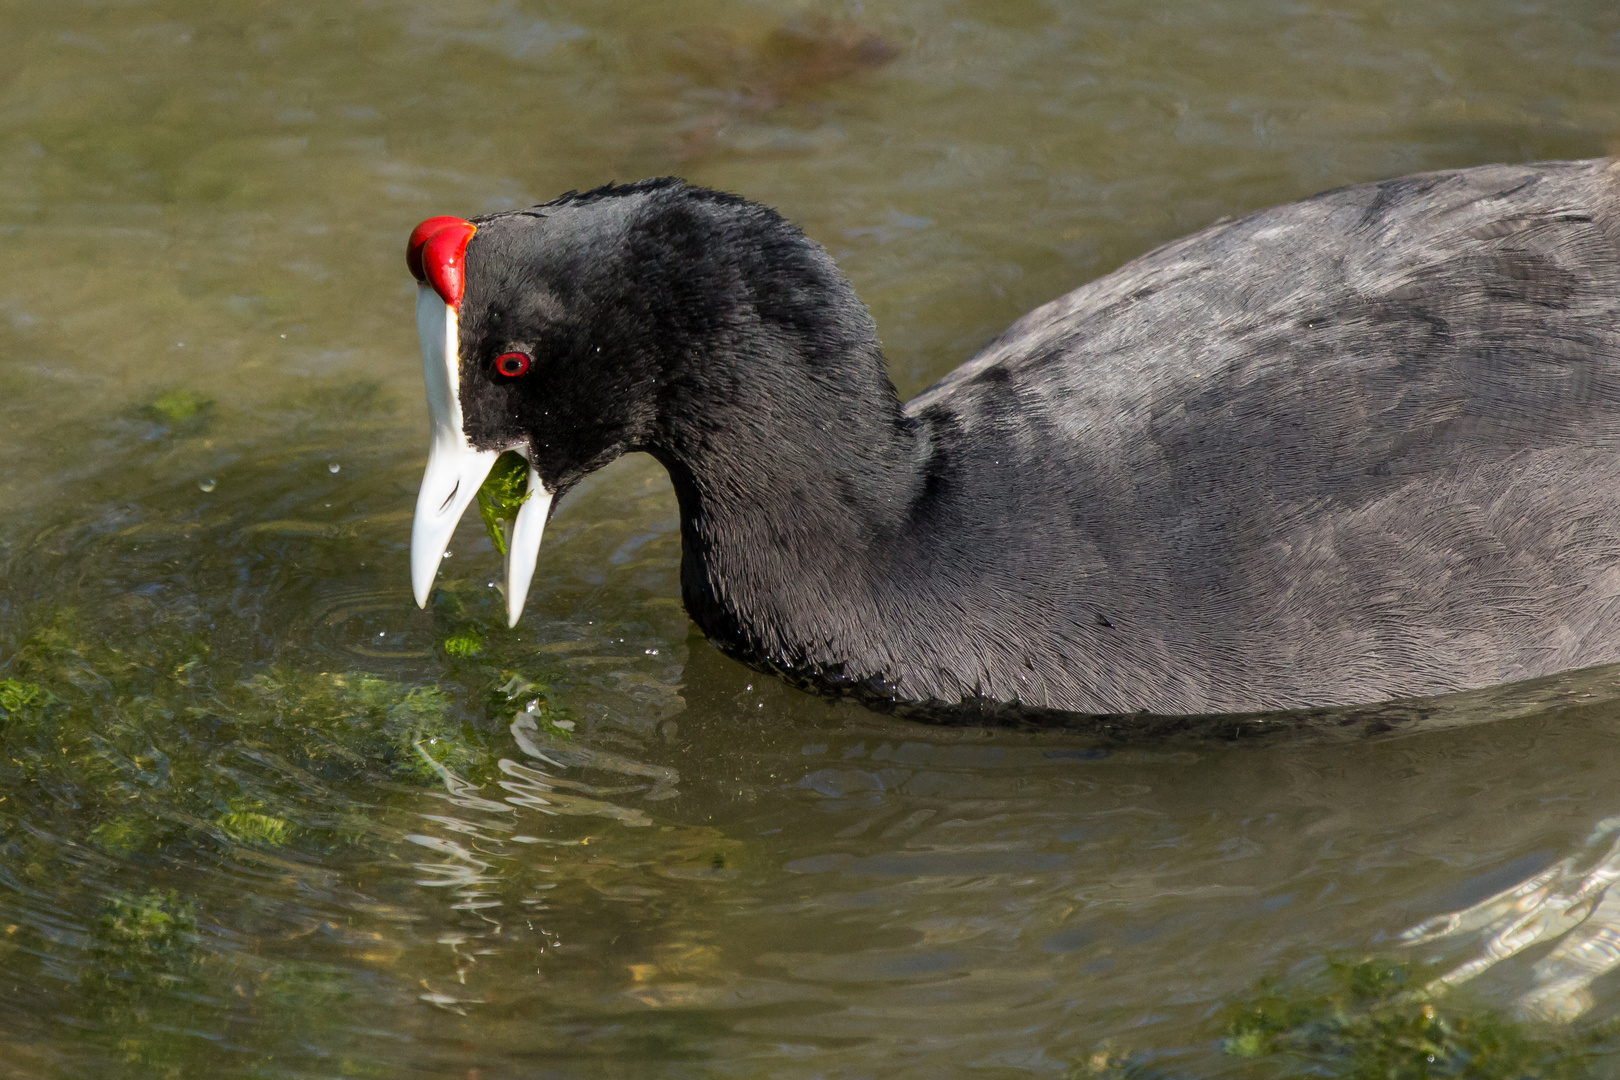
{"points": [[265, 818]]}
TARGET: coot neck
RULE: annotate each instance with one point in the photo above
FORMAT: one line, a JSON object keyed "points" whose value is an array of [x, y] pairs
{"points": [[791, 459]]}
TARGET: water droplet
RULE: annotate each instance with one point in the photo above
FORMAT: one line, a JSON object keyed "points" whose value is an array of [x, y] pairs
{"points": [[334, 467], [206, 484]]}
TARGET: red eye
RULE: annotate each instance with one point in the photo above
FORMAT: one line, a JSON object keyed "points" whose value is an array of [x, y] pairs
{"points": [[512, 364]]}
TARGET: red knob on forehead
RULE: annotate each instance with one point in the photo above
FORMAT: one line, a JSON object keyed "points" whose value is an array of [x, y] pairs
{"points": [[419, 236], [437, 258]]}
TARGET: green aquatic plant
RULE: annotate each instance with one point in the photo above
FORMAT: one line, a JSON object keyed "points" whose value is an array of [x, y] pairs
{"points": [[463, 644], [178, 409], [145, 971], [304, 987], [125, 733], [1106, 1064], [1379, 1020], [359, 717], [246, 824], [139, 942], [502, 493], [15, 696], [126, 748], [252, 828], [123, 834], [520, 693], [421, 722]]}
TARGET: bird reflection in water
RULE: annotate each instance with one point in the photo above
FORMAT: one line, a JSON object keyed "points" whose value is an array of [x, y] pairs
{"points": [[1570, 902]]}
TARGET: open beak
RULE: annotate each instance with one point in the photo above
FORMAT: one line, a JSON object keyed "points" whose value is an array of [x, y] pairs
{"points": [[523, 546], [455, 469]]}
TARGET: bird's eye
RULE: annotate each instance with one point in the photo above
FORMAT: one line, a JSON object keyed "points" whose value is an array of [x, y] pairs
{"points": [[512, 364]]}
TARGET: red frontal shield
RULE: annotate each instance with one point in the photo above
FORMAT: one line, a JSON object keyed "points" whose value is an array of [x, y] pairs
{"points": [[435, 254]]}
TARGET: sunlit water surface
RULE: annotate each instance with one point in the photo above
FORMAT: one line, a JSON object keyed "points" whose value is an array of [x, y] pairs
{"points": [[259, 820]]}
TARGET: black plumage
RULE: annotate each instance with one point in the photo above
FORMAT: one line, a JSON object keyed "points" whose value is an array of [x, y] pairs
{"points": [[1358, 448]]}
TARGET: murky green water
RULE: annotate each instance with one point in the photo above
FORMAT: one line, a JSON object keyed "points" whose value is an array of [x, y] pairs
{"points": [[258, 820]]}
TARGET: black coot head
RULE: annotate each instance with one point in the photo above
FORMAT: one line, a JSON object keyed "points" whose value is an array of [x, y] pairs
{"points": [[531, 343], [552, 360], [575, 331]]}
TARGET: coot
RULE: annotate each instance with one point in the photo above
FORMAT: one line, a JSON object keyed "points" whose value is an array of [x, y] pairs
{"points": [[1359, 448]]}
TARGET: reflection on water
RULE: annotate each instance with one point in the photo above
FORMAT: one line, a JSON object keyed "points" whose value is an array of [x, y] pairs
{"points": [[1568, 905], [261, 817]]}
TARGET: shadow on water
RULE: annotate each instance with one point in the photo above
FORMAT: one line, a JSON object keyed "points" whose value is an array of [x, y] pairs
{"points": [[1352, 723], [1407, 716]]}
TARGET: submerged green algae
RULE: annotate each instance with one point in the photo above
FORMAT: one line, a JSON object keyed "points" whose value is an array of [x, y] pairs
{"points": [[132, 757], [150, 973], [15, 696], [1379, 1019], [521, 693], [1106, 1064], [1383, 1020], [463, 644], [179, 411], [144, 741], [144, 942], [247, 824], [145, 966], [364, 719]]}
